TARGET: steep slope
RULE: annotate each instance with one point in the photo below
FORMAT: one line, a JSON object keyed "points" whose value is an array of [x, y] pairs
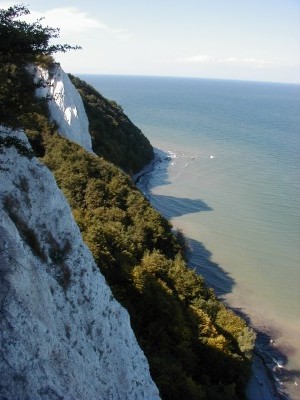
{"points": [[62, 333], [114, 136]]}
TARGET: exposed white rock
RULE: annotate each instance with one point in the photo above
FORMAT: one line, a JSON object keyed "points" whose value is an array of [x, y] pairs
{"points": [[63, 336], [65, 104]]}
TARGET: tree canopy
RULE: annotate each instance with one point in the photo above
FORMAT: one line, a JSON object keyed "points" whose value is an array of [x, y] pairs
{"points": [[21, 43], [114, 136]]}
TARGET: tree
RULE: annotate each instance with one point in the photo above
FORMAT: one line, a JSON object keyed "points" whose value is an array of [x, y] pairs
{"points": [[21, 43]]}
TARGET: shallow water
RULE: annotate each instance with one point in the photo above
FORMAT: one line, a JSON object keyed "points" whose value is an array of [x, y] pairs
{"points": [[229, 178]]}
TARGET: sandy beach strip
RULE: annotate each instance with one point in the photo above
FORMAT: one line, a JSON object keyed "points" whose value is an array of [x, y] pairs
{"points": [[260, 386]]}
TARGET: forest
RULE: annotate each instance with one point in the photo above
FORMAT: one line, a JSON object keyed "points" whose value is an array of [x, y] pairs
{"points": [[196, 347], [114, 136]]}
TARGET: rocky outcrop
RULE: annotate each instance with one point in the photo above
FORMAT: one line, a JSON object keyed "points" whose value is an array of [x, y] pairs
{"points": [[65, 104]]}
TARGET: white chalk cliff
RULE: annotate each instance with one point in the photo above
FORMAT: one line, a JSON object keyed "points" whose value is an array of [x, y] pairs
{"points": [[63, 335], [65, 104]]}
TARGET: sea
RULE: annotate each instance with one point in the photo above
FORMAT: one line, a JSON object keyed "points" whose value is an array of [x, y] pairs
{"points": [[227, 174]]}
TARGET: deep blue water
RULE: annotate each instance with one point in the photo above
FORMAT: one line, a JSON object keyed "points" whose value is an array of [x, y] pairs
{"points": [[230, 179]]}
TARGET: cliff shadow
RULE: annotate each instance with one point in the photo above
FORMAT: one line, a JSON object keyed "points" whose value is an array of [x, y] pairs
{"points": [[200, 259], [177, 206]]}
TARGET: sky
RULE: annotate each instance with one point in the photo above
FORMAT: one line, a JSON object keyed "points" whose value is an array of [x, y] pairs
{"points": [[257, 40]]}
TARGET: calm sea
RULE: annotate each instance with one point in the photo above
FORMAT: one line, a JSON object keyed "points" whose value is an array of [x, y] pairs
{"points": [[229, 178]]}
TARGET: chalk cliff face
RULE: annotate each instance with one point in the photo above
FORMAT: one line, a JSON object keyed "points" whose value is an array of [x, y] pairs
{"points": [[65, 104], [62, 333]]}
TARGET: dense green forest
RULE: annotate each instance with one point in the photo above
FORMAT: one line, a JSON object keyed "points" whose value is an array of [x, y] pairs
{"points": [[196, 347], [114, 136]]}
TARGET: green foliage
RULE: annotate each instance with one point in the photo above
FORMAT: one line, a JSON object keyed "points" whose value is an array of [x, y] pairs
{"points": [[22, 43], [16, 94], [196, 347], [114, 136], [237, 328]]}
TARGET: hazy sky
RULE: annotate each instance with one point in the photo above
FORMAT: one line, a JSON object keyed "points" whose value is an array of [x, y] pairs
{"points": [[231, 39]]}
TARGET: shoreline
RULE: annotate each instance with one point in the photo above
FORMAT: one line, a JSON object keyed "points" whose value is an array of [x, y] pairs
{"points": [[262, 384], [159, 157]]}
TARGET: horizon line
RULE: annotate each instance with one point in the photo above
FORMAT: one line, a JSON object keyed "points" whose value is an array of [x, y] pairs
{"points": [[187, 77]]}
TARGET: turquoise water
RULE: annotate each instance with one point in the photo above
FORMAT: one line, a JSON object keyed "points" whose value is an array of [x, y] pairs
{"points": [[229, 178]]}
